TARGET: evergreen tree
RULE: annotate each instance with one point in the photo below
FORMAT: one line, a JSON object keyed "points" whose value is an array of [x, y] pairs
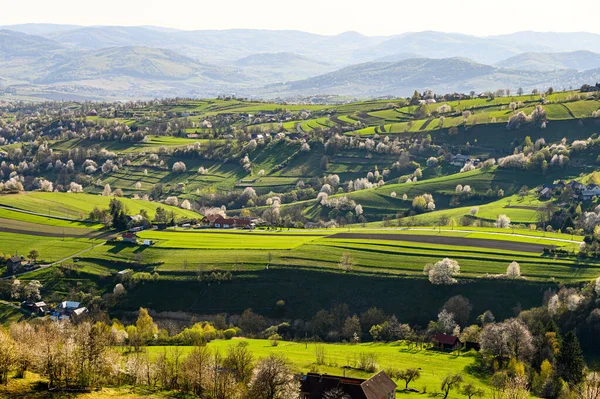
{"points": [[118, 211], [570, 362], [415, 98]]}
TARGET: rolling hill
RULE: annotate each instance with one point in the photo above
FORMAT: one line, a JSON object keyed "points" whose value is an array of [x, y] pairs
{"points": [[444, 45], [441, 75], [283, 66], [136, 62], [15, 44], [580, 60]]}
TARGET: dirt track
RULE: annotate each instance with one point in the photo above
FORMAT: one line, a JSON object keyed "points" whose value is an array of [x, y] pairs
{"points": [[445, 240]]}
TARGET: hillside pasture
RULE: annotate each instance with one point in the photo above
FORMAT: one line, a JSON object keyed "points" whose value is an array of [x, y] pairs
{"points": [[78, 206], [342, 359]]}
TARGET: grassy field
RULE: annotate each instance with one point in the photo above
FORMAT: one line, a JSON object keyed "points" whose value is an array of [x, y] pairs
{"points": [[151, 144], [7, 214], [9, 314], [78, 206], [51, 249], [434, 365], [387, 269]]}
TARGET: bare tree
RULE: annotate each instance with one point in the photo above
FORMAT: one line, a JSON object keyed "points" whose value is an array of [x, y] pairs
{"points": [[273, 379]]}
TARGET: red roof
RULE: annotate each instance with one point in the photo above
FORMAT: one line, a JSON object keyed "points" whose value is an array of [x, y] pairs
{"points": [[232, 221], [129, 235], [446, 339], [212, 218]]}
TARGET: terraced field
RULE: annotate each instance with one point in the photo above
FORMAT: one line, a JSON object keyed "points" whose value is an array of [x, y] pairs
{"points": [[78, 206]]}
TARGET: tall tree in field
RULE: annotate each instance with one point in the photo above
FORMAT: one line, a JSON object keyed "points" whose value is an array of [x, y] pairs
{"points": [[33, 255], [570, 362], [346, 262], [451, 382], [239, 360], [145, 325], [195, 370]]}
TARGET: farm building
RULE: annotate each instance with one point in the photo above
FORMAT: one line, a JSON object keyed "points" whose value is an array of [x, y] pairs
{"points": [[69, 309], [446, 342], [227, 223], [590, 192], [316, 386], [39, 308], [14, 264], [210, 219], [129, 237]]}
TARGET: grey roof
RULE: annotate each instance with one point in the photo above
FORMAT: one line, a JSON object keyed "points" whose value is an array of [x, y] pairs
{"points": [[378, 386]]}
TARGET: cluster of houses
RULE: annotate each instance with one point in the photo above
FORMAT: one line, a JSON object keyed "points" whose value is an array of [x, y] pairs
{"points": [[220, 222], [580, 191], [461, 160], [66, 310]]}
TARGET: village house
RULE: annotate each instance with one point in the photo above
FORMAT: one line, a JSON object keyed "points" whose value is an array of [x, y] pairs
{"points": [[129, 237], [39, 308], [459, 159], [579, 190], [316, 386], [220, 222], [446, 342], [14, 265], [590, 192], [69, 310], [232, 223]]}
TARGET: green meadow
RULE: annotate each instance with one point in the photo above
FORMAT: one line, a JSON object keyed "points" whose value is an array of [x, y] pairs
{"points": [[341, 359]]}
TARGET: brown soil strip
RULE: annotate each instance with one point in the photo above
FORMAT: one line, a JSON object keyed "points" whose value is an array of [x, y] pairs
{"points": [[444, 240]]}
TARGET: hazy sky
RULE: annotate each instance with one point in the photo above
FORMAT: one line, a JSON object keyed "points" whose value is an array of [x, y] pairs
{"points": [[371, 17]]}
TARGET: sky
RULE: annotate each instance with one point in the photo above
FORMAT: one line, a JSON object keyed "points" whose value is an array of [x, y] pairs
{"points": [[372, 17]]}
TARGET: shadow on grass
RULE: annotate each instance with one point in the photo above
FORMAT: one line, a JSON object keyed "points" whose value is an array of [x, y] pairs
{"points": [[478, 369], [117, 248], [140, 249]]}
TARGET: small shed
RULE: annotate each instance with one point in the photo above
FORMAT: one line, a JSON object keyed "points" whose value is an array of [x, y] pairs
{"points": [[14, 264], [446, 342]]}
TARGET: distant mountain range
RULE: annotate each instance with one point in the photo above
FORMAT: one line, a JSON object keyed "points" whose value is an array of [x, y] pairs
{"points": [[580, 60], [132, 62], [445, 75]]}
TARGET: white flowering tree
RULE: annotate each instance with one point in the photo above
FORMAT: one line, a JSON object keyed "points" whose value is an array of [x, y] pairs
{"points": [[443, 272], [513, 270], [503, 222], [179, 167]]}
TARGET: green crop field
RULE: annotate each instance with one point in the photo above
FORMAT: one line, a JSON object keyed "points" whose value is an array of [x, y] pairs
{"points": [[51, 249], [212, 240], [78, 206], [14, 215]]}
